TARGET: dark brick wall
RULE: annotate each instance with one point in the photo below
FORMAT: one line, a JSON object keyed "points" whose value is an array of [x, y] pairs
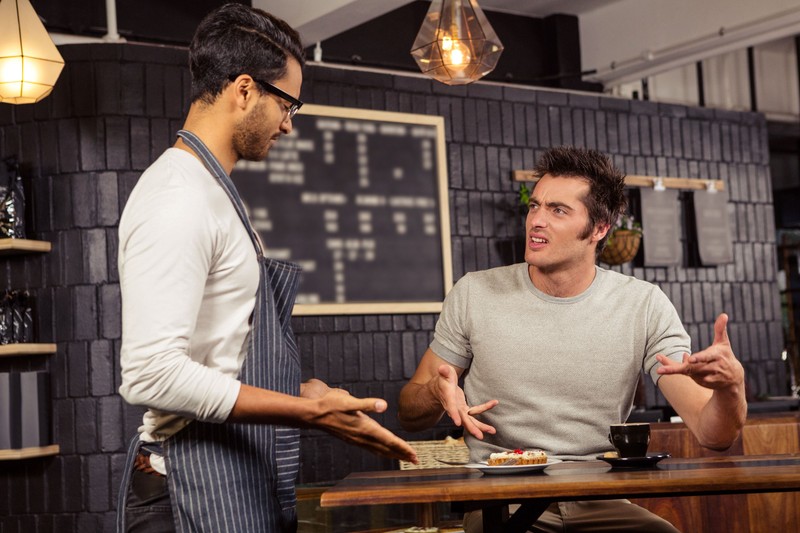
{"points": [[117, 107], [113, 111]]}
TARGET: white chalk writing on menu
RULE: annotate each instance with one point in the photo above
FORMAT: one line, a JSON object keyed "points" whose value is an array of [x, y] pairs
{"points": [[356, 202]]}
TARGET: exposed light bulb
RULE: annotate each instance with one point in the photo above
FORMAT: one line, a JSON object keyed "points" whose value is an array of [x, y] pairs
{"points": [[455, 53], [447, 43]]}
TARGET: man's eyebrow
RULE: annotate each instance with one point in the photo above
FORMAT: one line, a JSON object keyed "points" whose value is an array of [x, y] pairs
{"points": [[552, 204]]}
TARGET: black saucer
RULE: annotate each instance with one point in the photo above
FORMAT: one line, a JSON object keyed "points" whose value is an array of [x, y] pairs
{"points": [[635, 462]]}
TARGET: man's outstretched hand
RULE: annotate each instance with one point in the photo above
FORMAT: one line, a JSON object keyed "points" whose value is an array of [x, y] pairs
{"points": [[715, 368], [451, 396], [345, 417]]}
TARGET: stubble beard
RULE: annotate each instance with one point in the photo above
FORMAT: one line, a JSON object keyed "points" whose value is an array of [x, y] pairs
{"points": [[550, 265], [250, 140]]}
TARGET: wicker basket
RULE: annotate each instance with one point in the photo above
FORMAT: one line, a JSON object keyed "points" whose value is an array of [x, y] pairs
{"points": [[621, 247], [430, 451]]}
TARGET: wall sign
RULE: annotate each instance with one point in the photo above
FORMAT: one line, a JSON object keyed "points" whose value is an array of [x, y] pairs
{"points": [[359, 199], [661, 228], [713, 228]]}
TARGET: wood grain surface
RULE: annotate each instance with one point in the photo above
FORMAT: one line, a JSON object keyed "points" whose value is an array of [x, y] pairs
{"points": [[572, 481], [751, 487], [731, 513]]}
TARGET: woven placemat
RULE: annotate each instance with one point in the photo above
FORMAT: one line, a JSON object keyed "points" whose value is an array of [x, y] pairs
{"points": [[429, 453]]}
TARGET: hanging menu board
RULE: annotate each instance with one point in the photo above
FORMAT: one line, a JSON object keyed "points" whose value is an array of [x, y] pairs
{"points": [[358, 199], [660, 220], [713, 227]]}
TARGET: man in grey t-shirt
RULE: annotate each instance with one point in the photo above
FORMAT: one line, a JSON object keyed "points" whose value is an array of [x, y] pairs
{"points": [[551, 349]]}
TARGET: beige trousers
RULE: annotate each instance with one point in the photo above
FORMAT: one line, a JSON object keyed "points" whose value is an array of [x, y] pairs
{"points": [[602, 515]]}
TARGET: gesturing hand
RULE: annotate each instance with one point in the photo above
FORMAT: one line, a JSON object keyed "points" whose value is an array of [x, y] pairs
{"points": [[716, 367], [345, 417], [452, 398]]}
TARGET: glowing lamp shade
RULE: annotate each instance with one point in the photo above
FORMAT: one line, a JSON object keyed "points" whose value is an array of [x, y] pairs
{"points": [[29, 61], [456, 45]]}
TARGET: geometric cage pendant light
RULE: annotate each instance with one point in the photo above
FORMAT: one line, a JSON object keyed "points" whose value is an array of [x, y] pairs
{"points": [[456, 45], [29, 60]]}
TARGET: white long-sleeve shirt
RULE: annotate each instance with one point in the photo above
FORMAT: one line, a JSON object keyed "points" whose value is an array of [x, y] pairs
{"points": [[188, 278]]}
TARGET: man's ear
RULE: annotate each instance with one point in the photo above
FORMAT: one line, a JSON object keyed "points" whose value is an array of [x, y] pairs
{"points": [[242, 91], [600, 231]]}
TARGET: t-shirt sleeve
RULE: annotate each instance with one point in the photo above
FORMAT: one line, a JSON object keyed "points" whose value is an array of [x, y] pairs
{"points": [[451, 336], [167, 243], [665, 333]]}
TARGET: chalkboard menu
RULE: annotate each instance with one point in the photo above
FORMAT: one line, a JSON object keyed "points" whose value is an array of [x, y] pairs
{"points": [[358, 199]]}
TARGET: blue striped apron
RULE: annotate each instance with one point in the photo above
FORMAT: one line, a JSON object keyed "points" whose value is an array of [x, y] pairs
{"points": [[240, 477]]}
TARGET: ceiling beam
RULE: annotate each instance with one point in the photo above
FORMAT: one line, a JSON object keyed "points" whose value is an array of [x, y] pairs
{"points": [[634, 39]]}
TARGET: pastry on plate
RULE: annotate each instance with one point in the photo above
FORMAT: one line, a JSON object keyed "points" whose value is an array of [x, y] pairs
{"points": [[518, 457]]}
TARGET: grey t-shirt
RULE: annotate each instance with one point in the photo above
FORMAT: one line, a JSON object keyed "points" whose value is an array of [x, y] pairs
{"points": [[564, 369]]}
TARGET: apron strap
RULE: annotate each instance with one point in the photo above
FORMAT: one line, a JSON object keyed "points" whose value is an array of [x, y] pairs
{"points": [[215, 168]]}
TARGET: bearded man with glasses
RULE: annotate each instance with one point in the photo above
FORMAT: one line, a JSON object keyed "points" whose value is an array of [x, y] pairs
{"points": [[207, 345]]}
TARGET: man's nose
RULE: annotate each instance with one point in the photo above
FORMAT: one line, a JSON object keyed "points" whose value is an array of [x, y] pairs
{"points": [[286, 125], [537, 218]]}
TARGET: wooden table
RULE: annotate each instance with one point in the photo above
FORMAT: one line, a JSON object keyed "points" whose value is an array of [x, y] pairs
{"points": [[566, 481]]}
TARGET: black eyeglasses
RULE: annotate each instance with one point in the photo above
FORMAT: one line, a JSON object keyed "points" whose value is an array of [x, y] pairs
{"points": [[295, 103]]}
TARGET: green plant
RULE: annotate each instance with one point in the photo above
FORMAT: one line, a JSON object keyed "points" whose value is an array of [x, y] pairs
{"points": [[524, 195]]}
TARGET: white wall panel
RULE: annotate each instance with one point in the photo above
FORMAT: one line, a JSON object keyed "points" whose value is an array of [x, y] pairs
{"points": [[776, 78], [677, 86], [726, 83]]}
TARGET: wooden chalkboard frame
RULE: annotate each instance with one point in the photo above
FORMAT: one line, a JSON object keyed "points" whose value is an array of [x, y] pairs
{"points": [[381, 307]]}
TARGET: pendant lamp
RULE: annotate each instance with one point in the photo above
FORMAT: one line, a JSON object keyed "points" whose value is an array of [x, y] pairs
{"points": [[29, 61], [456, 45]]}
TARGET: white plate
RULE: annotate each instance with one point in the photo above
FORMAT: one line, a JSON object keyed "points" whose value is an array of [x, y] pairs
{"points": [[511, 469]]}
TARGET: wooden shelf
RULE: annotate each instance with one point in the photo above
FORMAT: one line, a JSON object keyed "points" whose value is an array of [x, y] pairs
{"points": [[696, 184], [15, 247], [28, 453], [23, 246], [10, 350]]}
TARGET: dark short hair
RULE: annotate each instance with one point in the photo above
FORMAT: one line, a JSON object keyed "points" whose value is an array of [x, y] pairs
{"points": [[606, 200], [236, 39]]}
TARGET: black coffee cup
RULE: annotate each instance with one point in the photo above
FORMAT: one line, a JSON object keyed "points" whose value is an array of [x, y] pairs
{"points": [[630, 440]]}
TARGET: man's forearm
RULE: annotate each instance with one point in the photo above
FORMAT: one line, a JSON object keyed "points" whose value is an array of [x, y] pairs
{"points": [[419, 409], [262, 406], [722, 418], [336, 412]]}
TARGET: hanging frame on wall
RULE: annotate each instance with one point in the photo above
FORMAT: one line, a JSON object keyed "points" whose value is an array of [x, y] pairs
{"points": [[714, 239], [360, 200]]}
